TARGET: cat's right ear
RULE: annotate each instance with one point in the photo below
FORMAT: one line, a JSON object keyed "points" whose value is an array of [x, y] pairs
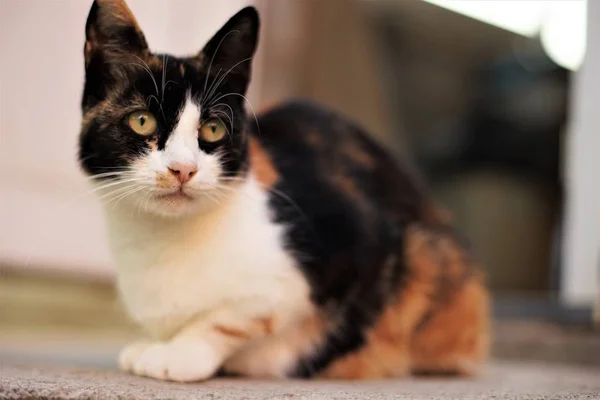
{"points": [[112, 28], [232, 48]]}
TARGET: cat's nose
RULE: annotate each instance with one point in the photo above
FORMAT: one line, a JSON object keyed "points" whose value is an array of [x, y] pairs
{"points": [[183, 172]]}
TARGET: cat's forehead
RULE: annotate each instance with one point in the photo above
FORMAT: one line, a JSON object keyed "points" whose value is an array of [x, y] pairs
{"points": [[158, 71], [160, 83]]}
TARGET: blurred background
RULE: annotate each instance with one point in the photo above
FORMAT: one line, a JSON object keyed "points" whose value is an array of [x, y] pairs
{"points": [[494, 100]]}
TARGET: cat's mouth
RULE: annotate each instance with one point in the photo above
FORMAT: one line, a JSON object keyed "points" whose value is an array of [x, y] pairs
{"points": [[176, 195]]}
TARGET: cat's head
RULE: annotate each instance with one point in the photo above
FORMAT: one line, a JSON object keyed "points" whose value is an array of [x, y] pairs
{"points": [[162, 133]]}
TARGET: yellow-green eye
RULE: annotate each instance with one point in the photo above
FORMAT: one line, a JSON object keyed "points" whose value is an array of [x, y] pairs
{"points": [[142, 123], [213, 130]]}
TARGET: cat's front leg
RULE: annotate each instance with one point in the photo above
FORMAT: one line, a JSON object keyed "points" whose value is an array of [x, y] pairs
{"points": [[181, 360], [200, 348], [131, 353]]}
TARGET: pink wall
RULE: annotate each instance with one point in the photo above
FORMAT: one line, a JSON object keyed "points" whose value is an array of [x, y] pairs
{"points": [[44, 222]]}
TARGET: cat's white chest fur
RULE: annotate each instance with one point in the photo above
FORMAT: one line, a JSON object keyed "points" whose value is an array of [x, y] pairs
{"points": [[173, 270]]}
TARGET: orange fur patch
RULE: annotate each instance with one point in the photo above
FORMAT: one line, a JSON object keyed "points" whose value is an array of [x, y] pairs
{"points": [[454, 339], [353, 151], [153, 144], [235, 333], [315, 139], [154, 62], [348, 186], [262, 165], [165, 180], [274, 356], [436, 214], [266, 325], [119, 11]]}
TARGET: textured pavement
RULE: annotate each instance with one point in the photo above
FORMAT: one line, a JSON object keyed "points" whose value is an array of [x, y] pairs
{"points": [[501, 380]]}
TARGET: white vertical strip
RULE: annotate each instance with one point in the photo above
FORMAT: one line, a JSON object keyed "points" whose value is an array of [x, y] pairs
{"points": [[580, 276]]}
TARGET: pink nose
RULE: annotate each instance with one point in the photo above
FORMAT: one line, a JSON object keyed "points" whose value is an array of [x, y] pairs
{"points": [[183, 172]]}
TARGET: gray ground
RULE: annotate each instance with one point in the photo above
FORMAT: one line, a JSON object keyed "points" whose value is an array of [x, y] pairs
{"points": [[563, 364], [502, 380]]}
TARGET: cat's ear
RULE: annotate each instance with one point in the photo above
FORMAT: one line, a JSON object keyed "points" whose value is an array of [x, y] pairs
{"points": [[232, 48], [111, 27]]}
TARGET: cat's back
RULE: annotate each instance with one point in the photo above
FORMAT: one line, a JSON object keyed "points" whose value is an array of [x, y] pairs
{"points": [[323, 157]]}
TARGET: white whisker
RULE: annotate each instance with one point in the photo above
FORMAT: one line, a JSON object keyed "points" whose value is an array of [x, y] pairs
{"points": [[132, 191], [110, 184], [148, 70], [250, 104], [224, 76], [214, 55], [164, 74], [118, 190], [274, 191]]}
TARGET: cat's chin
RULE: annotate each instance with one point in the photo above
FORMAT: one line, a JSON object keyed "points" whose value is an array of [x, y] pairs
{"points": [[170, 205], [179, 205]]}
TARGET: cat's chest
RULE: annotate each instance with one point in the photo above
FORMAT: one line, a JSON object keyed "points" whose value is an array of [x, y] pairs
{"points": [[169, 276], [163, 296]]}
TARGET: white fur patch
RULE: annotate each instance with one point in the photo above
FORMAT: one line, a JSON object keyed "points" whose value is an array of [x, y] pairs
{"points": [[232, 259], [182, 145], [201, 256]]}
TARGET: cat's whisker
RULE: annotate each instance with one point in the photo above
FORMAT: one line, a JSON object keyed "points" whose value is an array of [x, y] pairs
{"points": [[227, 130], [221, 79], [212, 59], [250, 104], [105, 167], [132, 191], [124, 191], [230, 190], [104, 175], [114, 183], [269, 189], [93, 190], [229, 116], [118, 191], [205, 94], [214, 199], [150, 193], [164, 73], [146, 67], [160, 105], [225, 105], [223, 113]]}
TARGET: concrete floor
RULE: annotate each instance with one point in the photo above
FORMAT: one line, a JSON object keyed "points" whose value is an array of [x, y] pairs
{"points": [[61, 339], [502, 380], [36, 364]]}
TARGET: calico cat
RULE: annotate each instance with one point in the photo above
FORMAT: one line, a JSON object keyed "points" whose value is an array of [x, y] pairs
{"points": [[288, 246]]}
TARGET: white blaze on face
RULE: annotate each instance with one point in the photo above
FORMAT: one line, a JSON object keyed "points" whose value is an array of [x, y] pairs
{"points": [[182, 146]]}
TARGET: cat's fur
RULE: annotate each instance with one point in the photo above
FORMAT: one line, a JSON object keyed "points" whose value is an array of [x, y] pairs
{"points": [[299, 248]]}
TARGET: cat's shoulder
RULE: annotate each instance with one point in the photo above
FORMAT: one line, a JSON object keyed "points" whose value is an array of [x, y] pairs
{"points": [[298, 107], [303, 116]]}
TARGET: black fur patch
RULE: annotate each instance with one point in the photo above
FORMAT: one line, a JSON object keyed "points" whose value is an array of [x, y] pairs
{"points": [[350, 204]]}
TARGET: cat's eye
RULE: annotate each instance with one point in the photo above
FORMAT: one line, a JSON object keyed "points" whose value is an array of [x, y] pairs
{"points": [[213, 130], [142, 122]]}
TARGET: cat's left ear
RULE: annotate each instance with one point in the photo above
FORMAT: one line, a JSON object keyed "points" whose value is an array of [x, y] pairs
{"points": [[232, 48], [111, 27]]}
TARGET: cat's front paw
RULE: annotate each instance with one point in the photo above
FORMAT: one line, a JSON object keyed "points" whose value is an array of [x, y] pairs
{"points": [[131, 353], [181, 361]]}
